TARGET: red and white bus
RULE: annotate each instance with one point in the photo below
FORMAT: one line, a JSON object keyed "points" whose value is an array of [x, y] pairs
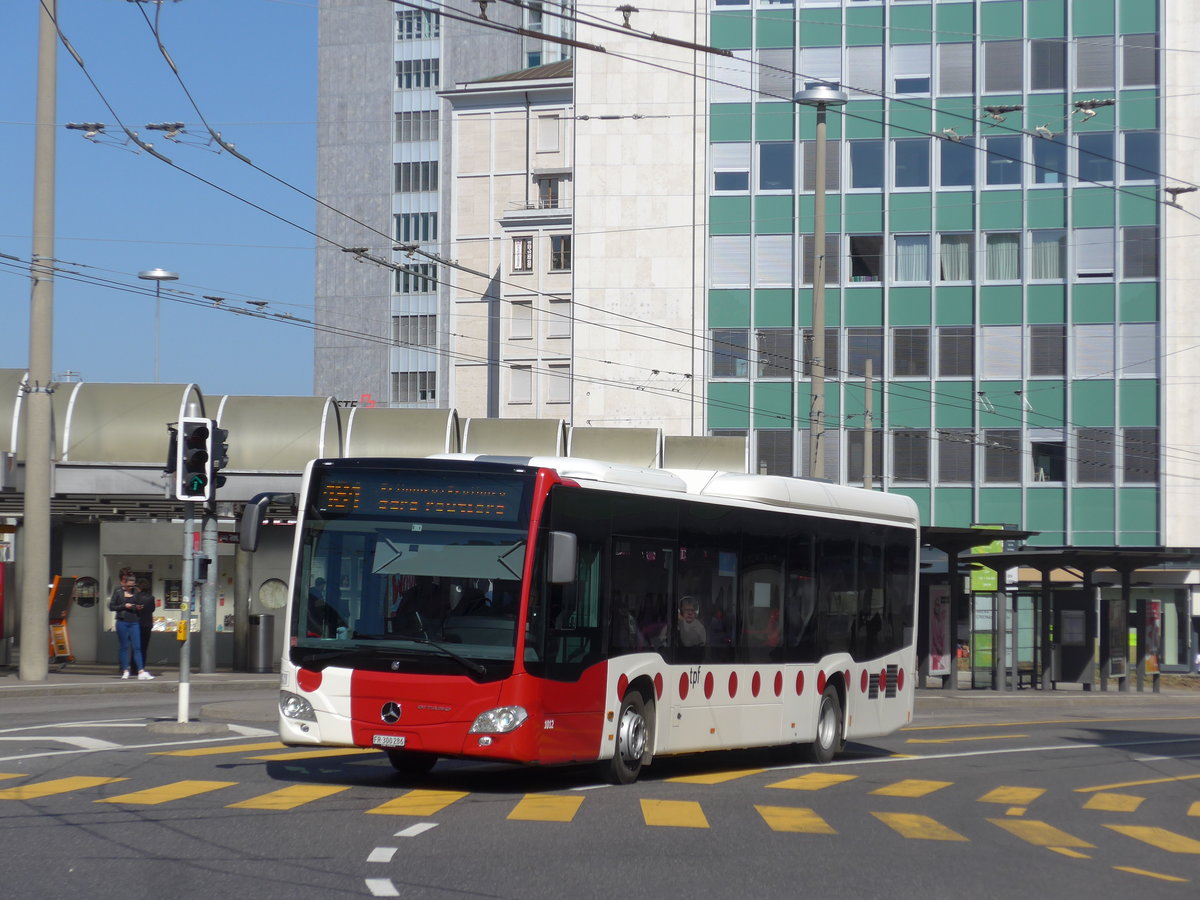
{"points": [[558, 610]]}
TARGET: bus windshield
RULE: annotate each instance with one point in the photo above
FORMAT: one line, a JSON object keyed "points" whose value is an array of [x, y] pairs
{"points": [[409, 576]]}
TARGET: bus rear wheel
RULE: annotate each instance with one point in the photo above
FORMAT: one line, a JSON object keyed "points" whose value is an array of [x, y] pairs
{"points": [[411, 763], [626, 763], [829, 728]]}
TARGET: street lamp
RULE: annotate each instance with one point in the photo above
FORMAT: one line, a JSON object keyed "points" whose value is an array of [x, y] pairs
{"points": [[158, 276], [822, 97]]}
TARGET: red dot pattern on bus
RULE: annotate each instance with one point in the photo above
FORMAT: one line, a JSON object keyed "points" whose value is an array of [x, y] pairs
{"points": [[755, 684], [308, 680], [658, 685], [683, 686], [732, 685], [622, 684], [882, 680], [820, 682], [799, 683], [899, 679], [778, 684], [864, 681], [708, 686]]}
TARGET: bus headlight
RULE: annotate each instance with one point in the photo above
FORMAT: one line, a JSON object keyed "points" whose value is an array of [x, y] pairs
{"points": [[499, 721], [293, 706]]}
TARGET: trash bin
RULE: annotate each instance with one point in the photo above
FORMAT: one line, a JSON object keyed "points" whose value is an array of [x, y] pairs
{"points": [[262, 643]]}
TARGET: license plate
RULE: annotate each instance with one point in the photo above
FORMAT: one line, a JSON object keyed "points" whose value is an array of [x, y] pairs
{"points": [[388, 740]]}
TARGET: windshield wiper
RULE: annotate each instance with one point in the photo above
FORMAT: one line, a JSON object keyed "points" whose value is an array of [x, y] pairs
{"points": [[503, 558], [468, 664]]}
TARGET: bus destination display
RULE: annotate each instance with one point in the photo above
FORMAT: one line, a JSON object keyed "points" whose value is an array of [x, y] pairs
{"points": [[421, 496]]}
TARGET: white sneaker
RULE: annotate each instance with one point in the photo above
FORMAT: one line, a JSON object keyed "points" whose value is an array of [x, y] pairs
{"points": [[145, 676], [125, 675]]}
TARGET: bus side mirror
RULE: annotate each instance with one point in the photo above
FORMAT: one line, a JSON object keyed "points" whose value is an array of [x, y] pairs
{"points": [[563, 556], [252, 517]]}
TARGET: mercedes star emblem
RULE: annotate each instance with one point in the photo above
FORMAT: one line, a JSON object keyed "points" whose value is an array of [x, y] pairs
{"points": [[390, 712]]}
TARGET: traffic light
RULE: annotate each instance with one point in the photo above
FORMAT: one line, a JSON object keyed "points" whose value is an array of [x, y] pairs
{"points": [[193, 465], [220, 454]]}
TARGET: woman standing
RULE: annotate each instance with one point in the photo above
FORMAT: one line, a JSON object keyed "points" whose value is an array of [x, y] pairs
{"points": [[127, 602]]}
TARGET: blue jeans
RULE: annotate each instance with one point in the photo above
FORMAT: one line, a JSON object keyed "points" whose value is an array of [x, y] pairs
{"points": [[129, 636]]}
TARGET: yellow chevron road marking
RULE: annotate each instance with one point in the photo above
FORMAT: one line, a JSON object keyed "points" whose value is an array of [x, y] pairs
{"points": [[10, 775], [794, 819], [715, 777], [673, 813], [814, 781], [911, 787], [178, 790], [227, 748], [1040, 834], [1129, 784], [1159, 875], [546, 808], [921, 828], [418, 803], [1073, 854], [57, 786], [1160, 838], [289, 797], [1114, 802], [1012, 796]]}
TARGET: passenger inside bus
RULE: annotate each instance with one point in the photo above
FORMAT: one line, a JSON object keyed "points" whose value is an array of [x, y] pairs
{"points": [[690, 636]]}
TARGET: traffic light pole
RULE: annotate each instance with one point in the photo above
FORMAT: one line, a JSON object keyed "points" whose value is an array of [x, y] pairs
{"points": [[208, 594], [185, 611]]}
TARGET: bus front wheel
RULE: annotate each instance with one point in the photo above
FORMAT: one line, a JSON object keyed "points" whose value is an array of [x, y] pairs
{"points": [[829, 728], [411, 763], [626, 762]]}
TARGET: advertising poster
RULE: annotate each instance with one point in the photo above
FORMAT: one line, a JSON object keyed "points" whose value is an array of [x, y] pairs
{"points": [[941, 656]]}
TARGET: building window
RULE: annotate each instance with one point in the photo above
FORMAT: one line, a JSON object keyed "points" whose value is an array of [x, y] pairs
{"points": [[412, 177], [1050, 160], [774, 452], [1001, 455], [1139, 348], [856, 454], [731, 168], [1049, 459], [1047, 350], [415, 24], [730, 353], [866, 164], [1094, 351], [774, 353], [1095, 156], [1094, 63], [520, 384], [1139, 245], [773, 260], [776, 80], [558, 383], [1004, 160], [414, 387], [522, 254], [1095, 450], [419, 125], [910, 455], [521, 323], [420, 227], [1139, 455], [776, 166], [417, 278], [912, 258], [956, 255], [414, 331], [1002, 67], [1139, 60], [866, 251], [957, 163], [1093, 253], [1048, 255], [863, 344], [956, 351], [864, 71], [1000, 352], [830, 349], [833, 166], [558, 324], [560, 253], [549, 193], [729, 260], [1002, 257], [412, 74], [832, 260], [1141, 156], [549, 130], [956, 456], [911, 68], [819, 66], [732, 78], [911, 162], [1047, 64], [910, 352], [956, 68]]}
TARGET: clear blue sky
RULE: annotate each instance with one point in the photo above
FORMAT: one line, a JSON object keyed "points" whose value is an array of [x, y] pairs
{"points": [[250, 65]]}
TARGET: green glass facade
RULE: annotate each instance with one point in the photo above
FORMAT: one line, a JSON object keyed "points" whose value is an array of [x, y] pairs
{"points": [[993, 212]]}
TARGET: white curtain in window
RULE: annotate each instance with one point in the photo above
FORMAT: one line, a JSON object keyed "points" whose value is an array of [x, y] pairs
{"points": [[1003, 257], [730, 260], [911, 61], [731, 155], [731, 78], [956, 257], [773, 266], [1000, 351], [1048, 247], [912, 257]]}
